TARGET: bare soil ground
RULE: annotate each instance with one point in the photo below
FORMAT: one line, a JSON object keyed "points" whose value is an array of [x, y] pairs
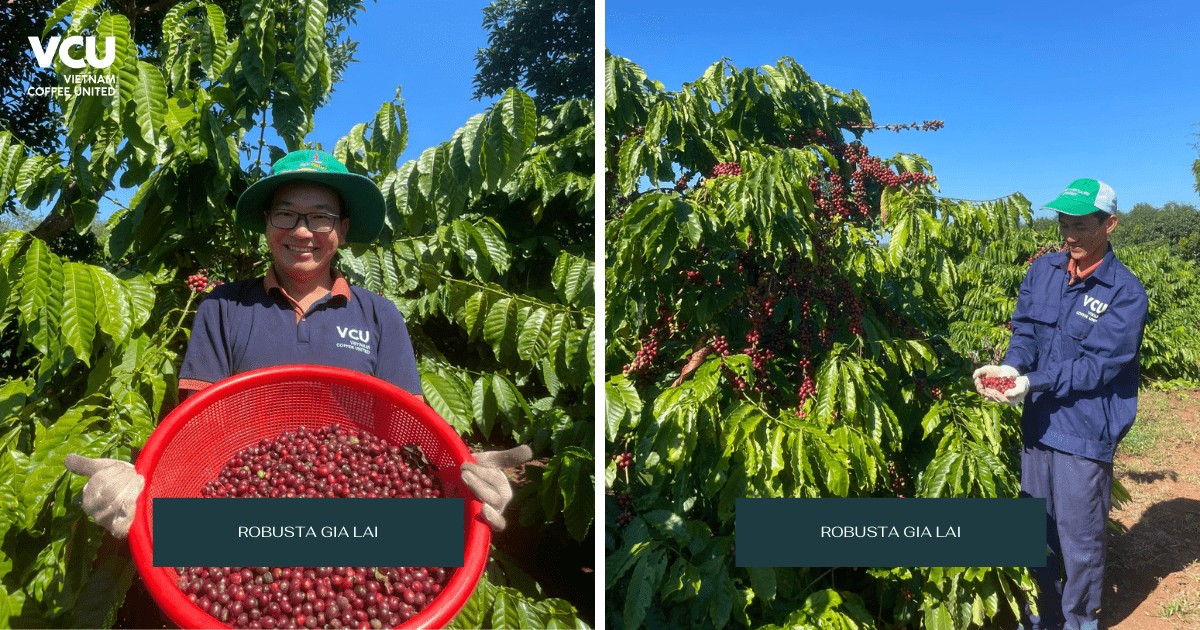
{"points": [[1153, 576]]}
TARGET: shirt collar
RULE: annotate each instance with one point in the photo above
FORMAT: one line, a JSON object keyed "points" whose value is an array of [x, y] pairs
{"points": [[341, 287], [1102, 271]]}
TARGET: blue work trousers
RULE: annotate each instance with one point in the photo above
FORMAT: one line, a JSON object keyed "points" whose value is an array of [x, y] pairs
{"points": [[1078, 493]]}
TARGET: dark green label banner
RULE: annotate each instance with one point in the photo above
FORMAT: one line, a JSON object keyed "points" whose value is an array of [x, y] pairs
{"points": [[308, 532], [890, 532]]}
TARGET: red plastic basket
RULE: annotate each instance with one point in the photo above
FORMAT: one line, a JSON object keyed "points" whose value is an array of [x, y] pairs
{"points": [[194, 442]]}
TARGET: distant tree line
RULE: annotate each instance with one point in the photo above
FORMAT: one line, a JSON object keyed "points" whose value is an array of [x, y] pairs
{"points": [[1174, 225]]}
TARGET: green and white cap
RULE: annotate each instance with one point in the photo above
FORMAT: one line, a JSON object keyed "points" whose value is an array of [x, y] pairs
{"points": [[1083, 197]]}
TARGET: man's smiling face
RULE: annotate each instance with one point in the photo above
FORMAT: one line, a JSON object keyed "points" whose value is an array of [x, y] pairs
{"points": [[299, 252]]}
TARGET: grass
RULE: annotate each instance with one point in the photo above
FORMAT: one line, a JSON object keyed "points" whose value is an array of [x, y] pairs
{"points": [[1158, 420], [1147, 429], [1184, 604]]}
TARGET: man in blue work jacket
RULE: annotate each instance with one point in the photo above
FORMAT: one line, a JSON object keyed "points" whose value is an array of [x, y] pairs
{"points": [[1074, 354]]}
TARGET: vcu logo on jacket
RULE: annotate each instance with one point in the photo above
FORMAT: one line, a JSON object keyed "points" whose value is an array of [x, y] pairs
{"points": [[1094, 308]]}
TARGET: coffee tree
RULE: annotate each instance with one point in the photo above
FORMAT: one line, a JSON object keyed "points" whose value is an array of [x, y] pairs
{"points": [[989, 274], [486, 250], [779, 325]]}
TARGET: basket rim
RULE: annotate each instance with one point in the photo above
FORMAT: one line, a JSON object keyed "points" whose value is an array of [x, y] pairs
{"points": [[166, 593]]}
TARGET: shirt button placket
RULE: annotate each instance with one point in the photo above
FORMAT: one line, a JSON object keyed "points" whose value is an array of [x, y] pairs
{"points": [[302, 330]]}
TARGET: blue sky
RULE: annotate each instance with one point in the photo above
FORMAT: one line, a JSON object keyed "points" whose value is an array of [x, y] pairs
{"points": [[1033, 94], [427, 49]]}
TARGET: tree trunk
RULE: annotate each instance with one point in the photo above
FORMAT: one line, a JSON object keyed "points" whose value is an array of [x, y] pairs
{"points": [[53, 226]]}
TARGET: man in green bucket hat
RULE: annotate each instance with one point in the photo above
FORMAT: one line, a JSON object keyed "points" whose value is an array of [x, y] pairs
{"points": [[356, 193], [1074, 352], [303, 311]]}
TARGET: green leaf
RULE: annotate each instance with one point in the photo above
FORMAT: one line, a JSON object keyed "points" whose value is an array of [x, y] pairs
{"points": [[642, 586], [12, 156], [500, 328], [473, 311], [506, 611], [827, 388], [310, 46], [60, 12], [475, 613], [574, 477], [103, 594], [762, 580], [508, 398], [465, 153], [621, 401], [535, 335], [721, 605], [851, 377], [258, 47], [41, 295], [507, 133], [13, 395], [290, 115], [483, 399], [215, 49], [572, 278], [450, 398], [68, 434], [389, 136], [149, 109], [489, 238], [837, 478], [140, 294], [79, 309]]}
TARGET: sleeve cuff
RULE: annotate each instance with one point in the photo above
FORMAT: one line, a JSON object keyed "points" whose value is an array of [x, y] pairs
{"points": [[1039, 381], [193, 384]]}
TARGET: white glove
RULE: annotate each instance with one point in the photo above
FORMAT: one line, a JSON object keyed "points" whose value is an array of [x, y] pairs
{"points": [[993, 371], [1016, 395], [111, 493], [488, 481]]}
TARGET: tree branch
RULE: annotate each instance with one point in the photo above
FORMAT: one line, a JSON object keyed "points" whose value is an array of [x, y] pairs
{"points": [[53, 226], [56, 224]]}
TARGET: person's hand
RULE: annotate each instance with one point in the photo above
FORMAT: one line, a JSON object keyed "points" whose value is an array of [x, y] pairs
{"points": [[993, 371], [488, 481], [111, 493], [1016, 394]]}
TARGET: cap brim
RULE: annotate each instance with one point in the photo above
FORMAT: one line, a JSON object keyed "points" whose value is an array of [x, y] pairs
{"points": [[360, 194], [1073, 207]]}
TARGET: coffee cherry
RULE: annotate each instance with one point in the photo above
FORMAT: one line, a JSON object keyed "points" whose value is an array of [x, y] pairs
{"points": [[302, 463], [197, 282], [1000, 384], [732, 169]]}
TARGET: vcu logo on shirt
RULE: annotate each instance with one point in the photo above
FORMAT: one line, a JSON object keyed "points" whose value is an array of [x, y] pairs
{"points": [[354, 339], [355, 334], [1094, 308]]}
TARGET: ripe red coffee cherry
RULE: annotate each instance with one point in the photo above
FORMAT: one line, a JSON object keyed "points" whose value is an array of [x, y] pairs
{"points": [[1000, 384], [300, 463]]}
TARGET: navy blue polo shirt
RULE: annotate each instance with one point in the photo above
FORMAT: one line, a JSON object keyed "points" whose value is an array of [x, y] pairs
{"points": [[251, 324]]}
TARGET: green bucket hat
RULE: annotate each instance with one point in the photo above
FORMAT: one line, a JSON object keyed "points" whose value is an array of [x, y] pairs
{"points": [[1083, 197], [363, 199]]}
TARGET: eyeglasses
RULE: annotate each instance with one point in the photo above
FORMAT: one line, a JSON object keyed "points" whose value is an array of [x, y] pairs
{"points": [[317, 222]]}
